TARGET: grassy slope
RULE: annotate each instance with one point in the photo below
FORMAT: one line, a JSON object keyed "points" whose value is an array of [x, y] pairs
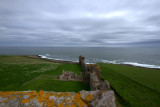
{"points": [[135, 85], [56, 85], [17, 70]]}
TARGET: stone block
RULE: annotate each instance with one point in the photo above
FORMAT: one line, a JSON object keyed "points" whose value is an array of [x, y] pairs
{"points": [[106, 99]]}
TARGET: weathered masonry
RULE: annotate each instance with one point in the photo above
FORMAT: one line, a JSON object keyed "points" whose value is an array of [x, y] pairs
{"points": [[92, 75]]}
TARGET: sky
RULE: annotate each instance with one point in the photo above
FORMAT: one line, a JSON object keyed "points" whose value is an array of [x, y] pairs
{"points": [[101, 23]]}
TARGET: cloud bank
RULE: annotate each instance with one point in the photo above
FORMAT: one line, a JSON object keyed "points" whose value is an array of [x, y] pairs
{"points": [[79, 23]]}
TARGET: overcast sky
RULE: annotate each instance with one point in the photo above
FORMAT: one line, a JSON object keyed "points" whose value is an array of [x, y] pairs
{"points": [[79, 22]]}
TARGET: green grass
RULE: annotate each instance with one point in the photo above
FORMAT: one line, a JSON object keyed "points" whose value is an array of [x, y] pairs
{"points": [[15, 71], [48, 77], [77, 69], [55, 85], [139, 87]]}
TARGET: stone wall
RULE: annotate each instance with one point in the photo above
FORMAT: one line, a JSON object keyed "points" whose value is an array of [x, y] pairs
{"points": [[95, 98], [67, 75], [82, 63], [92, 75], [100, 89], [94, 81], [85, 68], [95, 68]]}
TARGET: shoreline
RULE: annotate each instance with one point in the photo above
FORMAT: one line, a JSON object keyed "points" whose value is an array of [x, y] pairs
{"points": [[52, 60], [135, 66], [71, 62]]}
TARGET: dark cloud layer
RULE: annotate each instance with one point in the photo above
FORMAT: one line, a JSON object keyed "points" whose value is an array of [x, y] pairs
{"points": [[79, 23]]}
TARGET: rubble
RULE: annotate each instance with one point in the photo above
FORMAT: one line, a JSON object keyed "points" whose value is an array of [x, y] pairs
{"points": [[67, 75]]}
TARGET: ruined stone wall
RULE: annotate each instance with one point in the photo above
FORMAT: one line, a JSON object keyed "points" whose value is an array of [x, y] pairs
{"points": [[95, 68], [92, 75], [82, 63], [85, 68], [67, 75], [57, 99], [94, 82]]}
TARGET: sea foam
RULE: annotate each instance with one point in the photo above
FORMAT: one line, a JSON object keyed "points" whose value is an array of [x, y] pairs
{"points": [[107, 61], [141, 65]]}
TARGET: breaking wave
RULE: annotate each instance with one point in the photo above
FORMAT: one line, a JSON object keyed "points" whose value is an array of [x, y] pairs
{"points": [[131, 63], [141, 65], [47, 56], [107, 61]]}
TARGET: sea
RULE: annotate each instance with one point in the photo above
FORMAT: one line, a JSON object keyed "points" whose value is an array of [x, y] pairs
{"points": [[143, 57]]}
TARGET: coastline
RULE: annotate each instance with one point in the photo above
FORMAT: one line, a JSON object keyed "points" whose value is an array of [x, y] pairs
{"points": [[137, 66], [71, 62], [52, 60]]}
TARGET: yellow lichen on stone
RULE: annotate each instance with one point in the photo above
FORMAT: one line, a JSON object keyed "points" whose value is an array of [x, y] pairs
{"points": [[41, 93], [78, 101], [11, 97], [25, 101], [67, 94], [77, 97], [21, 92], [60, 105], [72, 105], [50, 103], [7, 93], [88, 97], [65, 99]]}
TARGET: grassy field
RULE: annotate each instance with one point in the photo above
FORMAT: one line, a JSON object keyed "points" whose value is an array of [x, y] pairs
{"points": [[139, 87], [56, 85], [17, 71]]}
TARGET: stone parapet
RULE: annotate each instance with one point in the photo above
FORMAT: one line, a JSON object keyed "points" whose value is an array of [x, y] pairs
{"points": [[95, 98]]}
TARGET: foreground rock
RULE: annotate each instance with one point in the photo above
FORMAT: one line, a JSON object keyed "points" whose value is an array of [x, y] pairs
{"points": [[57, 99]]}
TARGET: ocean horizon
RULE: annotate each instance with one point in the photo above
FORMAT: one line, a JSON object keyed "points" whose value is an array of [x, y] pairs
{"points": [[143, 57]]}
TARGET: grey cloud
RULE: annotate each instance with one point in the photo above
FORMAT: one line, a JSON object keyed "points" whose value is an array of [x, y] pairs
{"points": [[79, 23]]}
